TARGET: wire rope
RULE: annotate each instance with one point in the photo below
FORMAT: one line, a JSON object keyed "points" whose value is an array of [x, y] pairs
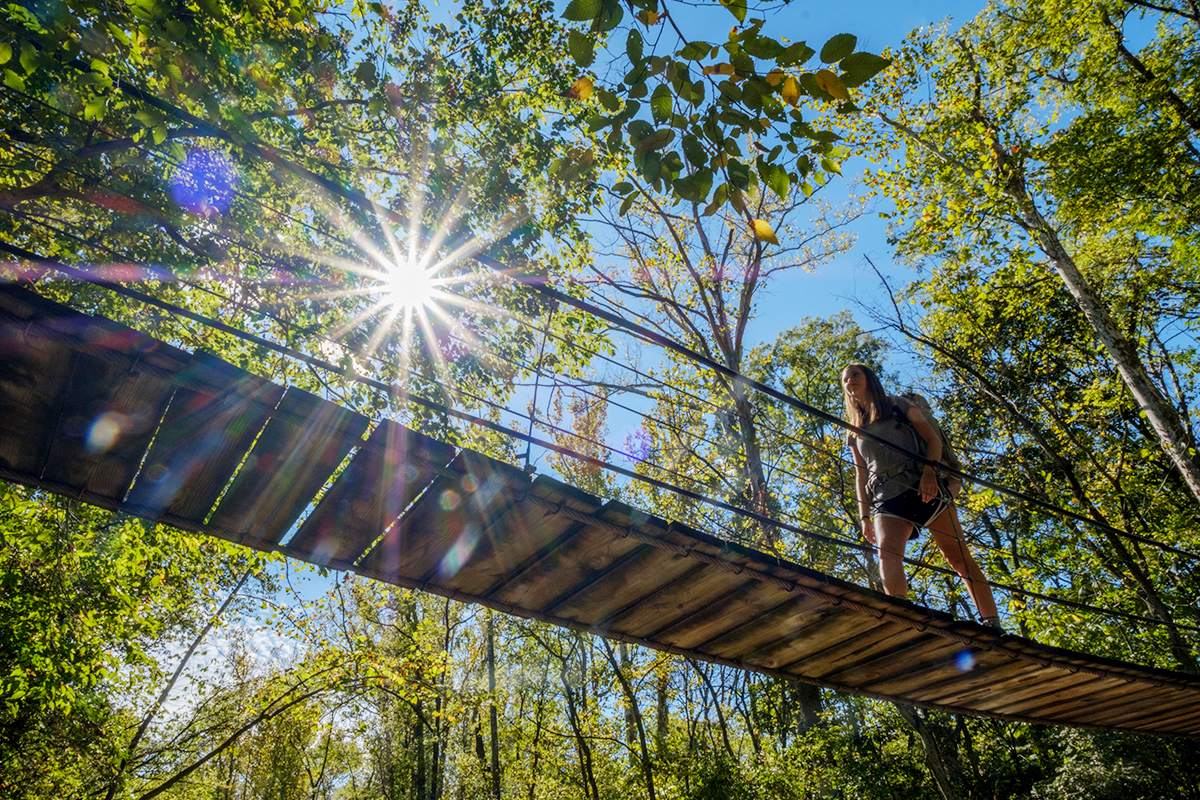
{"points": [[395, 391], [539, 285]]}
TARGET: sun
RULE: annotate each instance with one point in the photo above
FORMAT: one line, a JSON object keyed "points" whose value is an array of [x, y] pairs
{"points": [[410, 284]]}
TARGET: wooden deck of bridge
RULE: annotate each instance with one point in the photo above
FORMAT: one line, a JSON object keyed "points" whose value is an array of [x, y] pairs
{"points": [[93, 410]]}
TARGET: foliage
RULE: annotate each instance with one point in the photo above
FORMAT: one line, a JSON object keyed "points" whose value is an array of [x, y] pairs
{"points": [[749, 87], [1057, 312]]}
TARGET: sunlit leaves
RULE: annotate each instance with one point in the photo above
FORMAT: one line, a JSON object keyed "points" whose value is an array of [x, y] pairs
{"points": [[581, 89], [737, 8], [832, 84], [582, 10], [790, 92], [763, 231], [749, 86]]}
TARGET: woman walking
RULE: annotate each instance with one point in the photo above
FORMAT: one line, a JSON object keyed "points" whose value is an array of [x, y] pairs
{"points": [[898, 496]]}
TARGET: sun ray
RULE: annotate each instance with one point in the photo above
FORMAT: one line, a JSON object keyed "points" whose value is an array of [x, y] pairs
{"points": [[340, 330]]}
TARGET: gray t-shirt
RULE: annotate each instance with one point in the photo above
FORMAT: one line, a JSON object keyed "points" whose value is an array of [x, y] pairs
{"points": [[889, 472]]}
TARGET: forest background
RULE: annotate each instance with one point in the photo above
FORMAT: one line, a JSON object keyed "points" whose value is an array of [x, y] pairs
{"points": [[270, 163]]}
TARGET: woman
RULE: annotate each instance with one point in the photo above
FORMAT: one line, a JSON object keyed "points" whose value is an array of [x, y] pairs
{"points": [[898, 496]]}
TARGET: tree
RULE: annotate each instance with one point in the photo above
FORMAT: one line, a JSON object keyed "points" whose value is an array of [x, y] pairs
{"points": [[991, 175]]}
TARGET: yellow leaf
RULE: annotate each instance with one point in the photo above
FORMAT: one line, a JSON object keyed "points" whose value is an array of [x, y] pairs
{"points": [[581, 89], [790, 91], [833, 84], [775, 77], [649, 17], [724, 68], [763, 232]]}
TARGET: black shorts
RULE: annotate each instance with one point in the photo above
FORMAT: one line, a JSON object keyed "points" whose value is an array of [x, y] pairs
{"points": [[911, 508]]}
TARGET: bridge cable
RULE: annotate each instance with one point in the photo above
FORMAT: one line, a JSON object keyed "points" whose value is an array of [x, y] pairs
{"points": [[402, 394]]}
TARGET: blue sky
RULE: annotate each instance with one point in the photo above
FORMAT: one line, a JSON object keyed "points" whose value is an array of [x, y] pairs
{"points": [[877, 24]]}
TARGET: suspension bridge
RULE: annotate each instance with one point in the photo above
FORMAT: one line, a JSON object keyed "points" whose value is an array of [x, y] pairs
{"points": [[93, 410]]}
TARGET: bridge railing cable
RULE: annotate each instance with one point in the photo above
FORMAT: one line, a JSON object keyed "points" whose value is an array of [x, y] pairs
{"points": [[398, 392]]}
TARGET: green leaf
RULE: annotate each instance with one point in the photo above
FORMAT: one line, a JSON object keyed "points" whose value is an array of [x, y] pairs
{"points": [[582, 47], [633, 46], [608, 99], [582, 10], [838, 47], [5, 52], [752, 92], [694, 188], [774, 176], [660, 103], [808, 82], [730, 91], [858, 68], [624, 187], [656, 141], [695, 152], [14, 81], [627, 204], [796, 53], [829, 165], [365, 73], [763, 47], [737, 8], [739, 174], [29, 58], [639, 129], [610, 17], [719, 198], [94, 109], [694, 51]]}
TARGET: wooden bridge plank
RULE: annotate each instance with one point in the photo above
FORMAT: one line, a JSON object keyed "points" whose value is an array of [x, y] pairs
{"points": [[439, 535], [638, 573], [480, 530], [1182, 718], [1050, 684], [773, 616], [1112, 692], [789, 653], [730, 603], [303, 443], [979, 682], [677, 602], [679, 573], [515, 545], [108, 418], [368, 496], [1148, 703], [855, 649], [35, 371], [506, 559], [204, 435], [913, 664]]}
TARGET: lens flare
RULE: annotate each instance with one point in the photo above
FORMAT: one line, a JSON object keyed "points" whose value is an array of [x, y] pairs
{"points": [[410, 285]]}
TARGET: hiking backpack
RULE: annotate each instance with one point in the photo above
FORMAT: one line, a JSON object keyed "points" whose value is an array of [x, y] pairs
{"points": [[949, 457]]}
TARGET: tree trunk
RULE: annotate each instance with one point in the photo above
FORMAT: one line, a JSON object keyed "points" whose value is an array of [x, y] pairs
{"points": [[633, 708], [1164, 418], [943, 763], [492, 713], [808, 699], [661, 718]]}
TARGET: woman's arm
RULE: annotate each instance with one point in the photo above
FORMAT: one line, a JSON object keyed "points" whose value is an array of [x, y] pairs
{"points": [[933, 451], [860, 485]]}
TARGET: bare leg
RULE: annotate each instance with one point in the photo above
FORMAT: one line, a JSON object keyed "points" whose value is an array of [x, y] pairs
{"points": [[947, 534], [891, 535]]}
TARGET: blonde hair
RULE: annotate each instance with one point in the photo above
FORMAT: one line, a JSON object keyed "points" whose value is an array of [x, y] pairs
{"points": [[877, 399]]}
